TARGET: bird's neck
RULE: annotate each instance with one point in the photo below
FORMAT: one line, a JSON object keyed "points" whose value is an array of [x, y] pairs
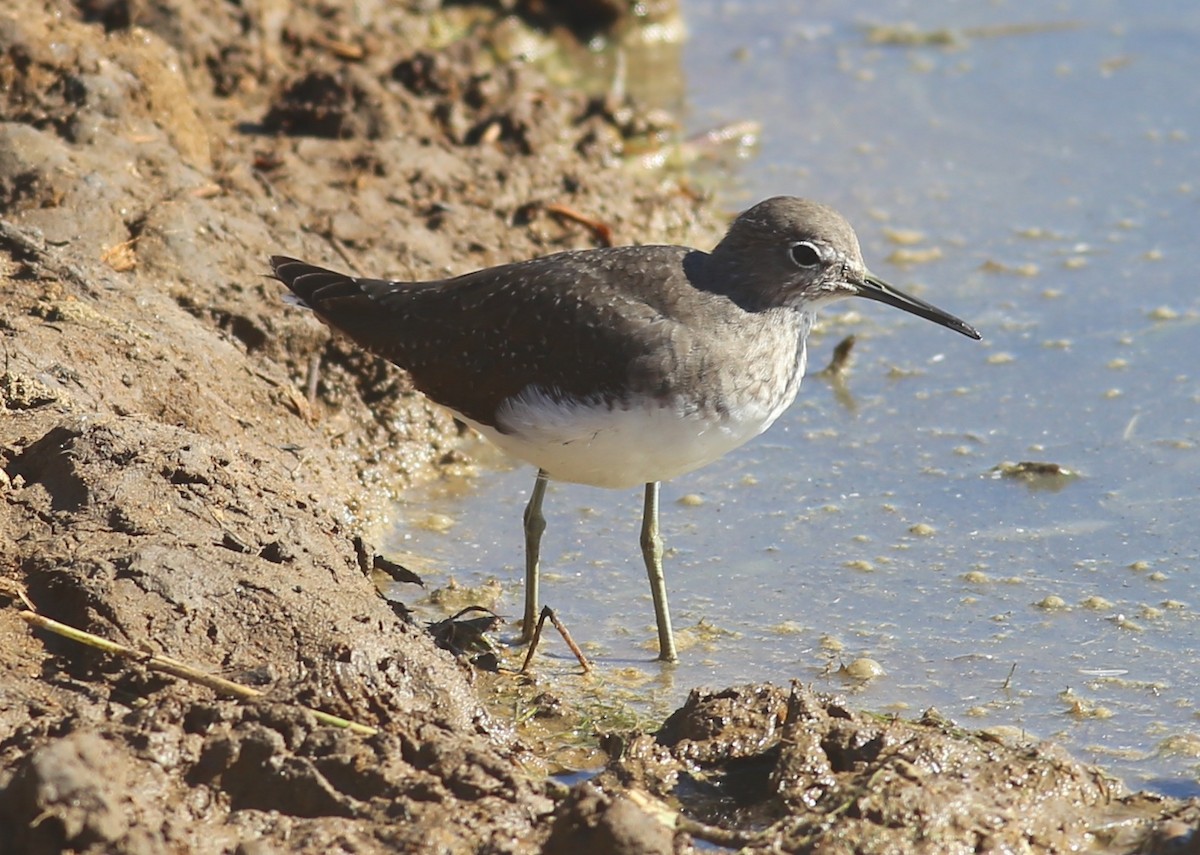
{"points": [[719, 273]]}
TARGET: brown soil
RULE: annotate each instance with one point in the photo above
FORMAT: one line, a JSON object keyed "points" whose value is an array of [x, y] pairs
{"points": [[185, 465]]}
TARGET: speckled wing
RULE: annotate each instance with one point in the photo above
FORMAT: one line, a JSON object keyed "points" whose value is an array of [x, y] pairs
{"points": [[578, 324]]}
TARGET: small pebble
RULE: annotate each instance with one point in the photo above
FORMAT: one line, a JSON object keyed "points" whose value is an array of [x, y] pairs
{"points": [[438, 523], [903, 257], [1006, 734], [903, 237], [832, 644], [863, 669], [788, 627]]}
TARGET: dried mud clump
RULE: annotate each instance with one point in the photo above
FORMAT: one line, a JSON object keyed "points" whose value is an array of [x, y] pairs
{"points": [[764, 769]]}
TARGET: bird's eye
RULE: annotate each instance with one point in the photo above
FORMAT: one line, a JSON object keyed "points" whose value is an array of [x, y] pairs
{"points": [[805, 254]]}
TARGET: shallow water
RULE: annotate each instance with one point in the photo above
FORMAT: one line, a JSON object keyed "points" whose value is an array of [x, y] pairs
{"points": [[1048, 161]]}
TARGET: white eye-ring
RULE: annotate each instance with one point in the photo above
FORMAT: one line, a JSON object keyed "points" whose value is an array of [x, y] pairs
{"points": [[805, 253]]}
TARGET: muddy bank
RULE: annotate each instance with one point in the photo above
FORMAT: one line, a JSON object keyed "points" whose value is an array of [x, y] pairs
{"points": [[185, 464]]}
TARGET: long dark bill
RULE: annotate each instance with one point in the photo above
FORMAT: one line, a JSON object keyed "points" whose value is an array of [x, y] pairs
{"points": [[874, 288]]}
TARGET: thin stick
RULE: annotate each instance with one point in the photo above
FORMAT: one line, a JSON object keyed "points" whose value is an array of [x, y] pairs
{"points": [[313, 379], [177, 669], [562, 630], [670, 818], [600, 230], [1008, 679], [548, 612], [723, 837]]}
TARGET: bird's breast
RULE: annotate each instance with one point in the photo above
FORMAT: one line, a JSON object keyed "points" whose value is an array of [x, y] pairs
{"points": [[623, 441]]}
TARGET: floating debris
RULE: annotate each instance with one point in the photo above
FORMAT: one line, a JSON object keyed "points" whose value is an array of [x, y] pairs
{"points": [[1039, 475]]}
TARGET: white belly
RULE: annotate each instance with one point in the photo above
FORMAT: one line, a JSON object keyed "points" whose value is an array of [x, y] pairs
{"points": [[589, 443]]}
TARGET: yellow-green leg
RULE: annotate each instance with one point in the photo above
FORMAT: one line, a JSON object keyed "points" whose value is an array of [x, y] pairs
{"points": [[535, 524], [652, 554]]}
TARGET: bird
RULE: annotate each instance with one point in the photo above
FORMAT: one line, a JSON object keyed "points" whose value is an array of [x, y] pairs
{"points": [[618, 366]]}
